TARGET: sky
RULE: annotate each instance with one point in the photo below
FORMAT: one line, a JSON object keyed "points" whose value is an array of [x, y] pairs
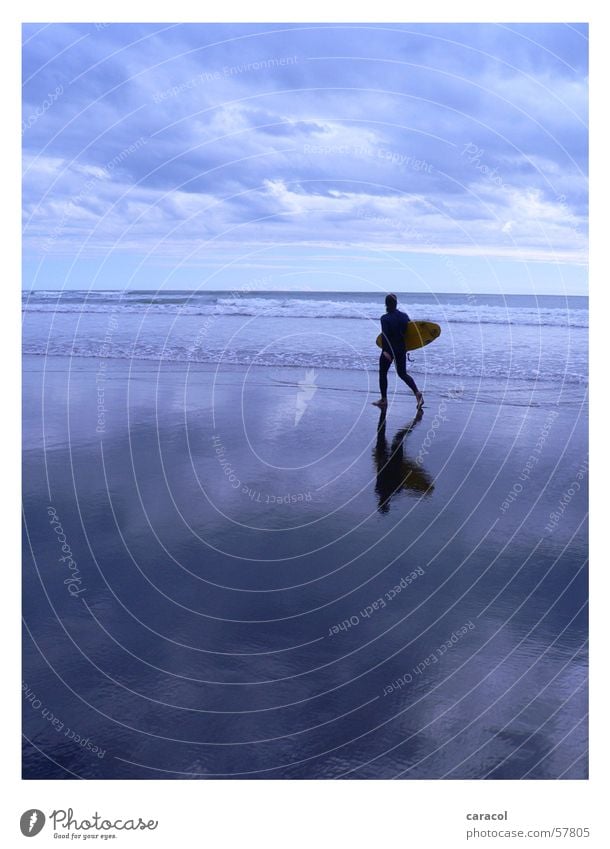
{"points": [[337, 157]]}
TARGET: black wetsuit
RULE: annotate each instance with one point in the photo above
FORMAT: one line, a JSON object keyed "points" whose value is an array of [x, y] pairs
{"points": [[393, 327]]}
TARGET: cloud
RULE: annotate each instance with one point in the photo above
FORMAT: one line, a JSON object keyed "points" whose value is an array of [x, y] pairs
{"points": [[470, 137]]}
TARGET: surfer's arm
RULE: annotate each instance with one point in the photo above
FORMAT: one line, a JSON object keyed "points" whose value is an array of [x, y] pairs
{"points": [[385, 343]]}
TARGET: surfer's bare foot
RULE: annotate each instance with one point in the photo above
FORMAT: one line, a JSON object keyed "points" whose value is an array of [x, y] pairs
{"points": [[382, 403], [420, 400]]}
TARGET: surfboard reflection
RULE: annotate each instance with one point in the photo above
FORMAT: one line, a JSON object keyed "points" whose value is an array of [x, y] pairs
{"points": [[396, 471]]}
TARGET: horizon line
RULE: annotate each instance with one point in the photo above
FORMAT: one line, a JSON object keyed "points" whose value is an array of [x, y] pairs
{"points": [[316, 292]]}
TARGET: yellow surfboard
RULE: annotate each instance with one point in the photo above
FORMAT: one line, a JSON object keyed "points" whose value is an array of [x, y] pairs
{"points": [[419, 333]]}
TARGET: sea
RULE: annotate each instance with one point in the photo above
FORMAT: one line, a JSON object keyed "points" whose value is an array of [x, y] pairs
{"points": [[527, 342]]}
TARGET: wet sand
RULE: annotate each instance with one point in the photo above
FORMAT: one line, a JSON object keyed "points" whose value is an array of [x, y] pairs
{"points": [[263, 578]]}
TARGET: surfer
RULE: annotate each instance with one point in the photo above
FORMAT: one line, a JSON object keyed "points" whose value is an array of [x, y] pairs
{"points": [[393, 328]]}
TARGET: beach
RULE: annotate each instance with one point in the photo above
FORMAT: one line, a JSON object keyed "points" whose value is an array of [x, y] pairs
{"points": [[240, 570]]}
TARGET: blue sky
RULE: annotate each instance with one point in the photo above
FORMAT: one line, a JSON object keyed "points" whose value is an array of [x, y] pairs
{"points": [[433, 157]]}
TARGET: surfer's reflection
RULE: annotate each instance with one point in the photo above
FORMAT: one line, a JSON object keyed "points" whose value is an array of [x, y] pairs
{"points": [[395, 470]]}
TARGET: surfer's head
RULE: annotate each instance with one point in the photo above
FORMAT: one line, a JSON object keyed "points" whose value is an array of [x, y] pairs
{"points": [[391, 302]]}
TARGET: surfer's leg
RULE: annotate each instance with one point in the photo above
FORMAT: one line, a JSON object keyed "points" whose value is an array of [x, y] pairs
{"points": [[401, 371], [384, 365]]}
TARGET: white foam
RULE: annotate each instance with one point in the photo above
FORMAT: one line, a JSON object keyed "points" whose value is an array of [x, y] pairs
{"points": [[289, 307]]}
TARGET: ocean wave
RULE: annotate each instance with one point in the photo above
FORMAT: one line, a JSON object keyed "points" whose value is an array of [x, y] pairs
{"points": [[466, 313], [498, 367]]}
